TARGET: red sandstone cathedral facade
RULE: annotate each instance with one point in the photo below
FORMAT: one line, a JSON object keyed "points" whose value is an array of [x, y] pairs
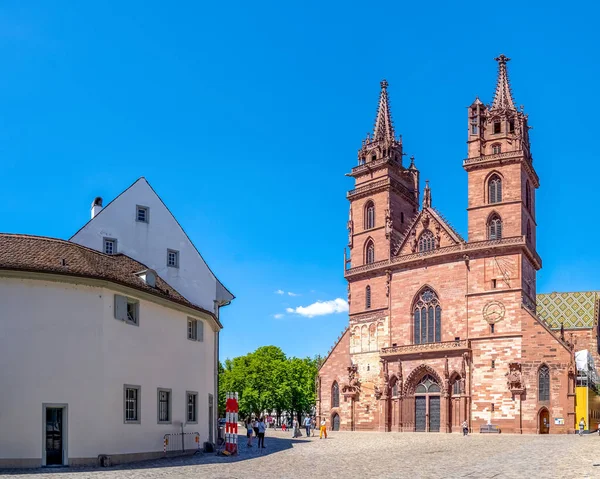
{"points": [[444, 329]]}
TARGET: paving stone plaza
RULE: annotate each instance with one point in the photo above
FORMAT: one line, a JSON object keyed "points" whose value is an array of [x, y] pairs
{"points": [[372, 454]]}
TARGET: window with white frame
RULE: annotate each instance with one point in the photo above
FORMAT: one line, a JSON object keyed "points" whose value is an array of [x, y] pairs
{"points": [[164, 405], [195, 329], [192, 407], [142, 214], [132, 404], [173, 258], [109, 246], [127, 309]]}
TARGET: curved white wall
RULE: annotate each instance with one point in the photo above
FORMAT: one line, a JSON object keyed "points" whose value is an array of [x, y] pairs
{"points": [[60, 343]]}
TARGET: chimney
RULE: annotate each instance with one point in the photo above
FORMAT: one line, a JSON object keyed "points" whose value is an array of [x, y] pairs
{"points": [[96, 206]]}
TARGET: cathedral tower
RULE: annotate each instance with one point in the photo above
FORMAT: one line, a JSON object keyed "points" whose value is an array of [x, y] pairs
{"points": [[501, 177]]}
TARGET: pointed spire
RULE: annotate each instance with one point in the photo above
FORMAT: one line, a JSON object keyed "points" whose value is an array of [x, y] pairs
{"points": [[427, 196], [412, 163], [384, 129], [503, 97]]}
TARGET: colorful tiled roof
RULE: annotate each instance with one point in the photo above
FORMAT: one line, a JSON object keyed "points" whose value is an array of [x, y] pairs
{"points": [[574, 310]]}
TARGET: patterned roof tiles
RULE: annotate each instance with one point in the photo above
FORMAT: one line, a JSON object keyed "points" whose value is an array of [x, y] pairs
{"points": [[574, 310]]}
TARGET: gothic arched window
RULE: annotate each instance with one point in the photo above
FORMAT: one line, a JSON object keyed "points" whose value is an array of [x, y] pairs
{"points": [[368, 297], [369, 215], [395, 389], [544, 383], [527, 195], [370, 253], [426, 241], [456, 387], [335, 395], [496, 149], [427, 318], [495, 189], [528, 231], [494, 227]]}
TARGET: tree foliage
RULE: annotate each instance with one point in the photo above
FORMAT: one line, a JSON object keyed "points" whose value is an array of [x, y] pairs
{"points": [[268, 381]]}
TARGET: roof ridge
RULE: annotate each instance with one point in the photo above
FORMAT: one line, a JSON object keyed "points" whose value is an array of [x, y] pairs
{"points": [[448, 223], [62, 241]]}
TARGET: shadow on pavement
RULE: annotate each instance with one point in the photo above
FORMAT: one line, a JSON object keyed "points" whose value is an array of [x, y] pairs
{"points": [[273, 445]]}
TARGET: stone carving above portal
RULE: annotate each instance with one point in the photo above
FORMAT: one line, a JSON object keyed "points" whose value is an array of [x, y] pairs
{"points": [[494, 311], [352, 387], [514, 378]]}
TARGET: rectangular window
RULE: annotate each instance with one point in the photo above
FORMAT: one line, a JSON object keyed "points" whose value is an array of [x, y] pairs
{"points": [[492, 328], [511, 126], [132, 404], [493, 283], [173, 258], [164, 406], [109, 246], [193, 329], [192, 407], [497, 127], [127, 309], [493, 364], [142, 214], [473, 128]]}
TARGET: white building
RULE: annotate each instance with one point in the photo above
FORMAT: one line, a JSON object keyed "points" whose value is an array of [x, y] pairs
{"points": [[106, 353]]}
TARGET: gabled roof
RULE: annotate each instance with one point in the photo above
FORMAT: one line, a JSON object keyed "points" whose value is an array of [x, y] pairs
{"points": [[573, 310], [39, 254], [231, 296], [427, 214]]}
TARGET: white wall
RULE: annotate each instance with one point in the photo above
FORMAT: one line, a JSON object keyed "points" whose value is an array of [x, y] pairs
{"points": [[60, 343], [148, 243]]}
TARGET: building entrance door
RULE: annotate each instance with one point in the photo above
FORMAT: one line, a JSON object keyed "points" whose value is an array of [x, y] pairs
{"points": [[54, 436], [544, 426], [427, 405], [335, 422]]}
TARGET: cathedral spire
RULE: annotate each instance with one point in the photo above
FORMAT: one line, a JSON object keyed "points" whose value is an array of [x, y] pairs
{"points": [[503, 97], [427, 195], [384, 129]]}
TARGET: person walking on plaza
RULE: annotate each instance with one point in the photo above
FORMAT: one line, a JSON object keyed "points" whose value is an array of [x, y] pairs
{"points": [[255, 427], [323, 430], [581, 426], [249, 431], [465, 426], [261, 433], [307, 424], [313, 426], [296, 429]]}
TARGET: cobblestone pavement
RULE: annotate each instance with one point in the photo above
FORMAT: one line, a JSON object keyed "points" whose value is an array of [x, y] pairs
{"points": [[366, 455]]}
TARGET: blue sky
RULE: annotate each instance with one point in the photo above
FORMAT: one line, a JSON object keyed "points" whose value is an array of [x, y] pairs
{"points": [[244, 116]]}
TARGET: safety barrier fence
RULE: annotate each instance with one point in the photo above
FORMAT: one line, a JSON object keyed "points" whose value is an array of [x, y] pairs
{"points": [[180, 443]]}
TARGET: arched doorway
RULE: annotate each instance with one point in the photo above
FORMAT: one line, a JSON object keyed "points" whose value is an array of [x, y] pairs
{"points": [[544, 421], [335, 422], [427, 405]]}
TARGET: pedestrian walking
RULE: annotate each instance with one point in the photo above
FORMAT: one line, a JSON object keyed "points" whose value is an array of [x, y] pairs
{"points": [[307, 424], [249, 431], [581, 426], [295, 428], [313, 426], [465, 426], [255, 427], [323, 430], [261, 433]]}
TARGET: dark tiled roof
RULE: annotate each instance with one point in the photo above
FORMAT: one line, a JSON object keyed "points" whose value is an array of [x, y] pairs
{"points": [[574, 310], [51, 255]]}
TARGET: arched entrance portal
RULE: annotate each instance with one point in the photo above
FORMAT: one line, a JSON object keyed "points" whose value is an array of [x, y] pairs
{"points": [[335, 422], [544, 421], [427, 405]]}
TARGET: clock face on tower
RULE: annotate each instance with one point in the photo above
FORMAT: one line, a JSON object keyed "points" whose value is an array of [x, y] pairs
{"points": [[493, 312]]}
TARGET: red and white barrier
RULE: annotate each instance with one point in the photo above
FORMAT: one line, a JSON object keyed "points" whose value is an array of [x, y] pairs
{"points": [[231, 422]]}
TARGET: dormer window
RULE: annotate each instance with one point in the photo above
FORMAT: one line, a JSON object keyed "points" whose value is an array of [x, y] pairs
{"points": [[149, 277], [497, 127], [142, 214], [496, 149]]}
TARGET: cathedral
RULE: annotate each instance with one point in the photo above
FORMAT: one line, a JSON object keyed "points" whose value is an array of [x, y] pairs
{"points": [[444, 329]]}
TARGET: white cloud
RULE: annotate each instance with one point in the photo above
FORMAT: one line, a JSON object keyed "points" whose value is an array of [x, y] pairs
{"points": [[292, 294], [321, 308], [279, 291], [278, 316]]}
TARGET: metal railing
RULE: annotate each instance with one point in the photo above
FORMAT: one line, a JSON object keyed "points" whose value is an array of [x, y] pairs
{"points": [[181, 443]]}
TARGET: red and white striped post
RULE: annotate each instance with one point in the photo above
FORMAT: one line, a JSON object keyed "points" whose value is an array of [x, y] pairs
{"points": [[231, 422]]}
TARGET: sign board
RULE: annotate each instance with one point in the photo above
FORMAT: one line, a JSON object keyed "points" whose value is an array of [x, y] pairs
{"points": [[559, 421]]}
